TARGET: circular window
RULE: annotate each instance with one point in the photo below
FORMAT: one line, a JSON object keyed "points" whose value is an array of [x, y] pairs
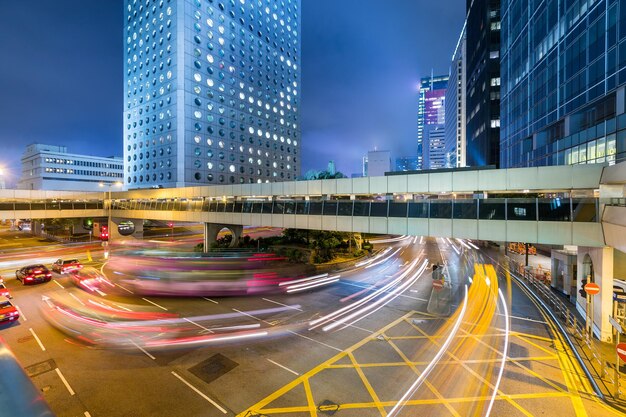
{"points": [[197, 176]]}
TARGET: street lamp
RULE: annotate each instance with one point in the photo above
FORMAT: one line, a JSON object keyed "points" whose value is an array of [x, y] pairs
{"points": [[108, 201]]}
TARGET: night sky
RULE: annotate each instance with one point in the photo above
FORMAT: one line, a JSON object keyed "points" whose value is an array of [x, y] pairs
{"points": [[61, 75]]}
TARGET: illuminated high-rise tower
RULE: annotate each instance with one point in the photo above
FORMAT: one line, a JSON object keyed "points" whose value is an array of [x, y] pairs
{"points": [[431, 111], [211, 92]]}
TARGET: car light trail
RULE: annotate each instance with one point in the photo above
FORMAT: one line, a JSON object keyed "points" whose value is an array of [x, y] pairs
{"points": [[313, 284], [504, 354], [432, 363]]}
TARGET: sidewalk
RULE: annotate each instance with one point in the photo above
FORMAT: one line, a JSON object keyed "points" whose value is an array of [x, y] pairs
{"points": [[598, 357]]}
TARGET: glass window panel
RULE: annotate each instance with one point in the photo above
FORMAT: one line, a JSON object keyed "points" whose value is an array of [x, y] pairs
{"points": [[584, 210], [229, 207], [554, 209], [465, 209], [345, 208], [398, 209], [257, 207], [315, 207], [238, 207], [418, 210], [302, 207], [290, 207], [575, 155], [521, 209], [267, 207], [361, 208], [247, 207], [378, 209], [279, 207], [440, 209], [591, 151], [330, 208]]}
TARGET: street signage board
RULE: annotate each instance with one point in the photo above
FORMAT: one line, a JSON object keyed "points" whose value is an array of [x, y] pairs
{"points": [[615, 324], [621, 351], [437, 284], [592, 288]]}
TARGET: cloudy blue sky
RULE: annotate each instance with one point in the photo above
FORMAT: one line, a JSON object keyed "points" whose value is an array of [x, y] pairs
{"points": [[61, 75]]}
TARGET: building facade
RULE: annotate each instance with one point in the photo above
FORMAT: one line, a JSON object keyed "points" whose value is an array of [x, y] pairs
{"points": [[211, 92], [49, 167], [483, 83], [430, 110], [406, 163], [455, 142], [435, 154], [378, 162], [563, 81]]}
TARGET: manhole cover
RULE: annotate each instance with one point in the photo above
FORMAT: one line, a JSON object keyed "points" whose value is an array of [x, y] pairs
{"points": [[327, 407], [213, 368], [40, 368]]}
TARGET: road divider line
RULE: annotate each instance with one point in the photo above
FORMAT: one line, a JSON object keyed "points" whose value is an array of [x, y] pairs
{"points": [[200, 393], [281, 304], [153, 303], [316, 341], [90, 259], [57, 282], [37, 339], [21, 313], [76, 298], [284, 367], [143, 350], [213, 301], [67, 385], [87, 414]]}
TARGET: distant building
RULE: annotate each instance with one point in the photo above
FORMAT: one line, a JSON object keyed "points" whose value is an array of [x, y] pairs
{"points": [[49, 167], [483, 80], [455, 146], [364, 167], [407, 163], [378, 162], [332, 170], [430, 110], [435, 154]]}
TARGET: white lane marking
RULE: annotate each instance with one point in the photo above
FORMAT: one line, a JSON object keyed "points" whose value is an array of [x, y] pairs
{"points": [[153, 303], [125, 289], [316, 341], [87, 414], [281, 304], [213, 301], [21, 313], [37, 339], [64, 381], [196, 324], [57, 282], [284, 367], [143, 350], [525, 319], [197, 391], [76, 298]]}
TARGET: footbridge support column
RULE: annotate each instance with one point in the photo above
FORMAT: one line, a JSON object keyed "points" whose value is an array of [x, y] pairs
{"points": [[211, 231]]}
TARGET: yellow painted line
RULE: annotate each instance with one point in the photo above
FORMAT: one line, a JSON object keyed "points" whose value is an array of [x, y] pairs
{"points": [[531, 336], [89, 256], [309, 398], [283, 390], [534, 344], [367, 384]]}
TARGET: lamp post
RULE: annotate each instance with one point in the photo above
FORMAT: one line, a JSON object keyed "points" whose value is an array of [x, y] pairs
{"points": [[108, 200]]}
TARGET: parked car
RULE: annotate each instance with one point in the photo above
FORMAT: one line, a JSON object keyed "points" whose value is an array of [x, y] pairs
{"points": [[66, 265], [4, 291], [8, 312], [33, 274]]}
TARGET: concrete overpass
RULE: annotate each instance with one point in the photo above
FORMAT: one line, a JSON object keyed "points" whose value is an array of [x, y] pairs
{"points": [[498, 205]]}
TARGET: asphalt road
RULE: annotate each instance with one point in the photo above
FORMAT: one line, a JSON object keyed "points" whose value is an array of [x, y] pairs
{"points": [[363, 369]]}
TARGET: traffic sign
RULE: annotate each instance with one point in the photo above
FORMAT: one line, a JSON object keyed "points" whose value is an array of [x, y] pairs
{"points": [[592, 288], [621, 351], [437, 284]]}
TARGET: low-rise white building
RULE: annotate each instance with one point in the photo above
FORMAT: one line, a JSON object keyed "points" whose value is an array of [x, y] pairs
{"points": [[49, 167]]}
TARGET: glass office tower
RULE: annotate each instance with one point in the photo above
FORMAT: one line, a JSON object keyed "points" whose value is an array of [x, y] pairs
{"points": [[211, 92], [430, 111], [563, 77]]}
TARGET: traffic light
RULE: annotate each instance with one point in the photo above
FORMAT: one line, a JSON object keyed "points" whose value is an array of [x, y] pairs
{"points": [[170, 224], [582, 291]]}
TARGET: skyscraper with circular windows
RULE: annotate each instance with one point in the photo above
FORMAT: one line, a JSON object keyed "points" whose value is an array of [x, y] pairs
{"points": [[211, 92]]}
